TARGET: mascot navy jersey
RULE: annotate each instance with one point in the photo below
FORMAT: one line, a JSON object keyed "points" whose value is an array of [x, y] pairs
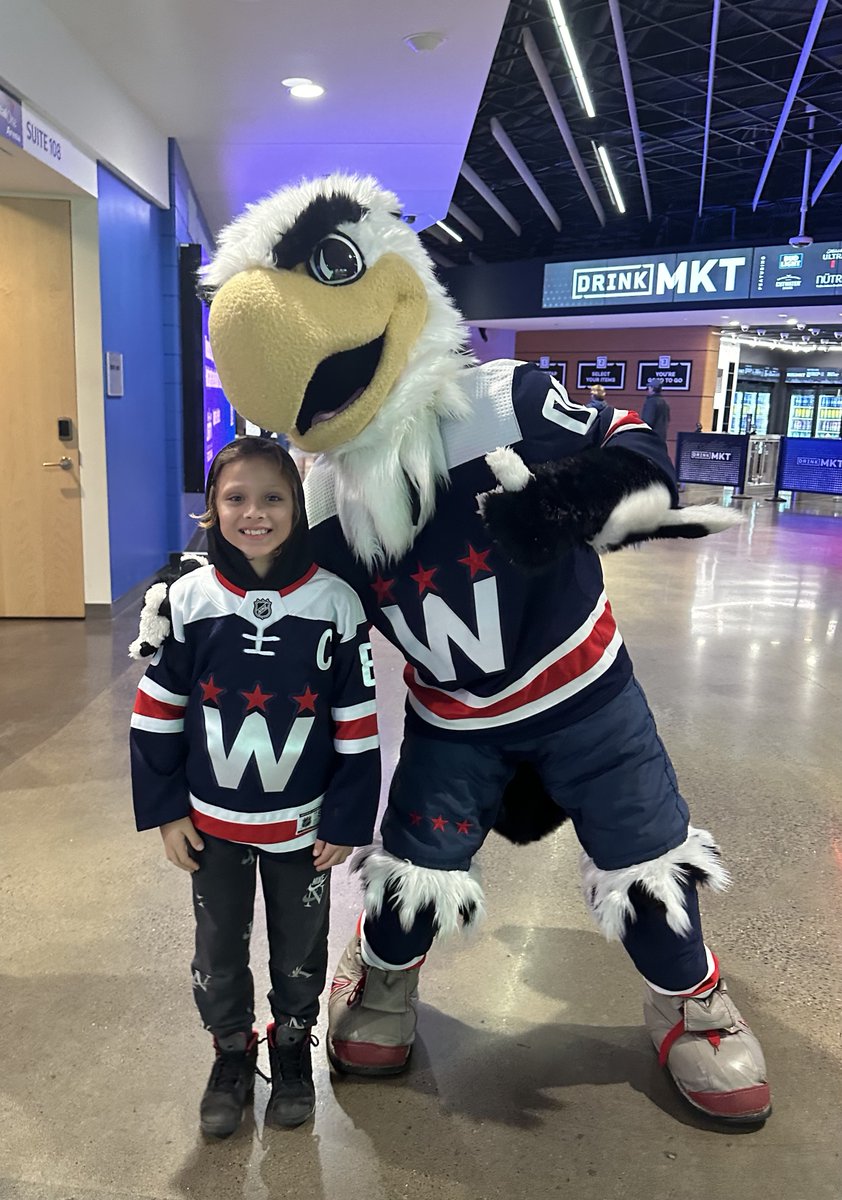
{"points": [[257, 716], [495, 652]]}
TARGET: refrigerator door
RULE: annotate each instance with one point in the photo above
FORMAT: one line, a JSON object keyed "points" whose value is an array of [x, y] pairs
{"points": [[736, 411], [829, 414], [801, 405], [761, 413]]}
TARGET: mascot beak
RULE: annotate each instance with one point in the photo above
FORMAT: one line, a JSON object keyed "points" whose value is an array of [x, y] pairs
{"points": [[314, 361]]}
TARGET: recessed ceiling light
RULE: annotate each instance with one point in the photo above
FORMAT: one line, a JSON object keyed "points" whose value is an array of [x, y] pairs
{"points": [[306, 91], [294, 81], [792, 321], [733, 322]]}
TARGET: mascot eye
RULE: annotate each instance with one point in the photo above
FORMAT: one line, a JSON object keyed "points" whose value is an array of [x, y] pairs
{"points": [[336, 260]]}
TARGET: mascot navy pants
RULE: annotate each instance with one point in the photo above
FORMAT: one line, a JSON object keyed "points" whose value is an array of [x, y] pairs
{"points": [[612, 776]]}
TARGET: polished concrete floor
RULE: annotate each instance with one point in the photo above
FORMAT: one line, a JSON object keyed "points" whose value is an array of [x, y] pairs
{"points": [[533, 1077]]}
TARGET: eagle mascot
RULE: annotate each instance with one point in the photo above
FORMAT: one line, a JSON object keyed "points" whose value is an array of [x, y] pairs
{"points": [[468, 505]]}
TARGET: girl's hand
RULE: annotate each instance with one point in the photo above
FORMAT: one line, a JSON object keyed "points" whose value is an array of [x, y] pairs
{"points": [[178, 837], [325, 854]]}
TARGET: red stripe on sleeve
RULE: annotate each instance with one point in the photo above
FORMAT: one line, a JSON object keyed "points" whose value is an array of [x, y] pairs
{"points": [[351, 730], [148, 706]]}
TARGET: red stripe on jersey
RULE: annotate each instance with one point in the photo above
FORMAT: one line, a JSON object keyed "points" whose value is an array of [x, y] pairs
{"points": [[148, 706], [628, 418], [305, 578], [363, 727], [573, 664], [268, 833], [238, 591]]}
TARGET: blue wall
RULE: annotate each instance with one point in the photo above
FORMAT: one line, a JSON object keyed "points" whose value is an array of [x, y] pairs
{"points": [[131, 240], [138, 245], [184, 223]]}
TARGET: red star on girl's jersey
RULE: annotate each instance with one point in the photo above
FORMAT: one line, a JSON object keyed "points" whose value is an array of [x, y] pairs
{"points": [[209, 690], [257, 698], [383, 589], [415, 818], [475, 560], [439, 822], [424, 579], [306, 701], [463, 826]]}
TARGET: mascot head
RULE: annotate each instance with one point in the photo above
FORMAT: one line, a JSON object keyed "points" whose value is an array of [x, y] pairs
{"points": [[327, 321]]}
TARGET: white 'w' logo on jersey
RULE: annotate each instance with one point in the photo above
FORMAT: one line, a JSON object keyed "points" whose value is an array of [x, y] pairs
{"points": [[253, 740], [443, 626]]}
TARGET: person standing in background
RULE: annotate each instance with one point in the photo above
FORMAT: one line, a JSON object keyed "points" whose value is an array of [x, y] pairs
{"points": [[656, 411], [597, 397]]}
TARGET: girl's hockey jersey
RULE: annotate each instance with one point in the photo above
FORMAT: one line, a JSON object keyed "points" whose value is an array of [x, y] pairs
{"points": [[494, 652], [257, 717]]}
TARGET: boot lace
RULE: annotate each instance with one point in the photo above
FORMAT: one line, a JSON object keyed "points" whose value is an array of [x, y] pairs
{"points": [[289, 1057], [227, 1072], [355, 996]]}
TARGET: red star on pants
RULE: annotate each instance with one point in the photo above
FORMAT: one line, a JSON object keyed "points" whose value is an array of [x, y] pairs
{"points": [[383, 589], [463, 826], [424, 579], [415, 818], [257, 698], [210, 691], [439, 822], [306, 701], [475, 560]]}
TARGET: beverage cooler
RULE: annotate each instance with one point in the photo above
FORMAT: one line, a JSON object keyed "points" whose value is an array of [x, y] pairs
{"points": [[750, 409], [815, 412]]}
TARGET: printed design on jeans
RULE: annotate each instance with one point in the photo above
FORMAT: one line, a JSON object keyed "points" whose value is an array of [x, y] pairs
{"points": [[296, 1023], [300, 973], [315, 891], [200, 980], [200, 901], [247, 933], [248, 860]]}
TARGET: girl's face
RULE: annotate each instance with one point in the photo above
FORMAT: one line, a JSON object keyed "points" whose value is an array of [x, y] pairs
{"points": [[255, 507]]}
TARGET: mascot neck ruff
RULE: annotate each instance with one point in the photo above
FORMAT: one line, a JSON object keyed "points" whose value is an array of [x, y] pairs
{"points": [[328, 323], [467, 506]]}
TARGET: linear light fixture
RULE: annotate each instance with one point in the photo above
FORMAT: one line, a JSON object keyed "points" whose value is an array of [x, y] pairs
{"points": [[609, 177], [462, 217], [575, 67], [450, 232], [507, 146]]}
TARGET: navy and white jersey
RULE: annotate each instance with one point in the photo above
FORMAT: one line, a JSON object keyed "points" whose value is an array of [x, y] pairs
{"points": [[257, 716], [493, 652]]}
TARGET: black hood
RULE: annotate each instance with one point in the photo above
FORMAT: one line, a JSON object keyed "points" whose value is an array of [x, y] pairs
{"points": [[293, 560]]}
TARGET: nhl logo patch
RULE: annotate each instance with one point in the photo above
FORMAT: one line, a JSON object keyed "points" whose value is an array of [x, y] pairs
{"points": [[262, 608]]}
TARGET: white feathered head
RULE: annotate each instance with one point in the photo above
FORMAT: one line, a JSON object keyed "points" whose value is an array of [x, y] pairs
{"points": [[327, 319]]}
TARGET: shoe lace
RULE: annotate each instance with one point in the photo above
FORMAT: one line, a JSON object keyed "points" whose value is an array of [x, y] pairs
{"points": [[227, 1072], [355, 996], [289, 1056]]}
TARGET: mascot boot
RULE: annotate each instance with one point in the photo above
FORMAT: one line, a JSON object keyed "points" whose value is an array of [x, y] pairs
{"points": [[714, 1058], [371, 1015]]}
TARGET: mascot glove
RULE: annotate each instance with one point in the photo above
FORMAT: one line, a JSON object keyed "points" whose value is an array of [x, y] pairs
{"points": [[538, 514]]}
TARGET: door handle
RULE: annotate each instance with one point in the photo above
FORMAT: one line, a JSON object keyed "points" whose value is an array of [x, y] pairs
{"points": [[64, 462]]}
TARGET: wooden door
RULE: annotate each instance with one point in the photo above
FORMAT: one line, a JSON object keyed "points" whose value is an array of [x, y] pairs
{"points": [[41, 573]]}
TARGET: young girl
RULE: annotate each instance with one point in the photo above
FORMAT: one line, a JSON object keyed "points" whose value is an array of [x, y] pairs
{"points": [[254, 743]]}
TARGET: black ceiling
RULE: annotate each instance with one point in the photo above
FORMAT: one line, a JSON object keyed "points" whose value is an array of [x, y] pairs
{"points": [[668, 45]]}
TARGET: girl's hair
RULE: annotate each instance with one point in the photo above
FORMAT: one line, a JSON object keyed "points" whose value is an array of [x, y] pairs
{"points": [[246, 448]]}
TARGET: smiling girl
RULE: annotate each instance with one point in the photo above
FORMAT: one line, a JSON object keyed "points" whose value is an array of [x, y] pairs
{"points": [[254, 743]]}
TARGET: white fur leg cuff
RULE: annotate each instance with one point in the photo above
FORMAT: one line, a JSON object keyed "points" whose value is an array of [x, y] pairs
{"points": [[456, 896], [607, 892], [153, 628]]}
